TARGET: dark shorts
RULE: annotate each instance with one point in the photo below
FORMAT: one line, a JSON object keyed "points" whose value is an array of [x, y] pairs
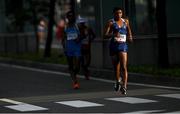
{"points": [[116, 47], [73, 49]]}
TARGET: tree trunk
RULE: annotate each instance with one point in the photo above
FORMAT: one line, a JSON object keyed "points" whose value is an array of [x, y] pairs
{"points": [[72, 3], [163, 59], [47, 52]]}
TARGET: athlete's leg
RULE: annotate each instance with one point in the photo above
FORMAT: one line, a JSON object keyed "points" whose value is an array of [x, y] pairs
{"points": [[116, 66], [123, 61], [71, 68], [86, 62], [76, 63], [75, 70], [83, 62]]}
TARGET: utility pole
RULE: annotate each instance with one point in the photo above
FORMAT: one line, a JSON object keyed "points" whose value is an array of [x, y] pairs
{"points": [[47, 52], [163, 57], [72, 4]]}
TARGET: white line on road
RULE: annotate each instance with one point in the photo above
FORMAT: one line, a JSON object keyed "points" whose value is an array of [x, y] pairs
{"points": [[11, 101], [177, 96], [79, 103], [145, 112], [26, 107], [93, 78], [20, 106], [131, 100]]}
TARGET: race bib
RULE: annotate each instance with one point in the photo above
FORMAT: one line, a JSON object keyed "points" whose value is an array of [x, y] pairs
{"points": [[72, 36], [121, 38]]}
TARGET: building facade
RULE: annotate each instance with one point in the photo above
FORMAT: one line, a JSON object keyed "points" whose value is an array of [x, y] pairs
{"points": [[141, 14]]}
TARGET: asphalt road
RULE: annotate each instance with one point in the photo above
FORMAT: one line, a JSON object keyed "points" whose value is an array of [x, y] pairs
{"points": [[31, 90]]}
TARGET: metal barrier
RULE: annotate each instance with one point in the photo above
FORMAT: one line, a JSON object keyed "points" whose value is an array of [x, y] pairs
{"points": [[143, 51], [18, 43]]}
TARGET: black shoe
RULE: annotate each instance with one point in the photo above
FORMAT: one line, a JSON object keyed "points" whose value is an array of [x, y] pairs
{"points": [[123, 90], [117, 86]]}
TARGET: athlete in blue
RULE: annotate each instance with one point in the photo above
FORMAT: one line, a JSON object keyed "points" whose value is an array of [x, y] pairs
{"points": [[72, 47], [87, 36], [119, 31]]}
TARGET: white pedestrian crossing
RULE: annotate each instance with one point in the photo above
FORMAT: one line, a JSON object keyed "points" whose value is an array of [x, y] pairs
{"points": [[79, 103], [145, 112], [131, 100], [22, 107], [26, 107]]}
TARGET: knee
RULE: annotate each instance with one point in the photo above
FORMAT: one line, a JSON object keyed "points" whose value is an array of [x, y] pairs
{"points": [[124, 68]]}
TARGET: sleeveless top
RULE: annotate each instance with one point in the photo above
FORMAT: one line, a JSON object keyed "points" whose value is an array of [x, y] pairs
{"points": [[122, 31], [72, 32], [72, 45]]}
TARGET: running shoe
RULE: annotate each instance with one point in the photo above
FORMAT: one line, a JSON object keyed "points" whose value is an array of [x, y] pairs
{"points": [[76, 85], [123, 90], [117, 86]]}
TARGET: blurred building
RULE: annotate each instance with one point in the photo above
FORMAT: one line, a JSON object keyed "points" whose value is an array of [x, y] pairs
{"points": [[141, 13], [20, 15]]}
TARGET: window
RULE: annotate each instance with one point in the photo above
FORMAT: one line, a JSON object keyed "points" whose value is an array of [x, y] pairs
{"points": [[142, 16]]}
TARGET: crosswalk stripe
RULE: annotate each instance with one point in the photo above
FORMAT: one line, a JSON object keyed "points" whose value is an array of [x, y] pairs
{"points": [[177, 96], [20, 106], [79, 103], [131, 100], [26, 107], [145, 112]]}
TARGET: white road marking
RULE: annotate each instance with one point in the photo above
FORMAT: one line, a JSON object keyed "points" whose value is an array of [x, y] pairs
{"points": [[79, 103], [131, 100], [93, 78], [20, 106], [177, 96], [26, 107], [145, 112], [11, 101], [175, 112]]}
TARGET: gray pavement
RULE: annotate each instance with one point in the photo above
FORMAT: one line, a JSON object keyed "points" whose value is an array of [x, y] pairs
{"points": [[100, 73], [38, 90]]}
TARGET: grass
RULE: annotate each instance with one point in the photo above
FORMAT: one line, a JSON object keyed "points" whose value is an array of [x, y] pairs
{"points": [[57, 59], [154, 70]]}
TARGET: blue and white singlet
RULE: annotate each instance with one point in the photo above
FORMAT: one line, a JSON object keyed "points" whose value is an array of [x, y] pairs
{"points": [[118, 44], [72, 47]]}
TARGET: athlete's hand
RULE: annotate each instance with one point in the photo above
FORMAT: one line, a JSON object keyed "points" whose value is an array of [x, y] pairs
{"points": [[117, 34], [130, 39]]}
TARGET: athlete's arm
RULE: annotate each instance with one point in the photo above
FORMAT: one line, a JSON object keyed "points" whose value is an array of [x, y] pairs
{"points": [[91, 34], [64, 36], [108, 30], [129, 33]]}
